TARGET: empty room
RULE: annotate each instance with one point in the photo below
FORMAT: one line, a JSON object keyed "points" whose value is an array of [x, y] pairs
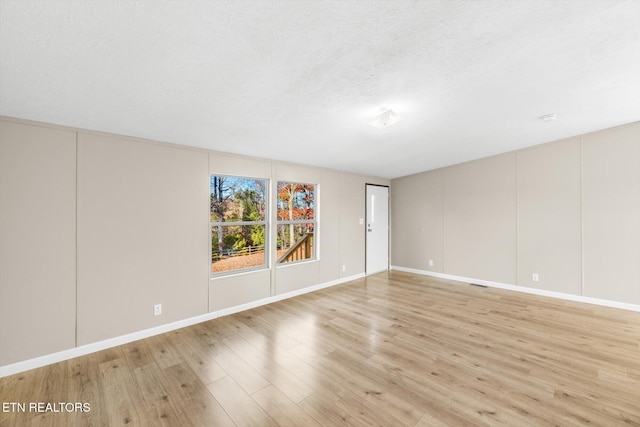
{"points": [[319, 213]]}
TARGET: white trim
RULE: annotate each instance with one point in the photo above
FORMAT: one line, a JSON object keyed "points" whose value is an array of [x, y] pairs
{"points": [[60, 356], [559, 295]]}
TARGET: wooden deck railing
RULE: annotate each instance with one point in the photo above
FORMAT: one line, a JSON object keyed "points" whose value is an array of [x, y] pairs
{"points": [[300, 250]]}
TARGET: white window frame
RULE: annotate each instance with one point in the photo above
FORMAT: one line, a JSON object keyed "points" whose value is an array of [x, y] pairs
{"points": [[314, 222], [264, 222]]}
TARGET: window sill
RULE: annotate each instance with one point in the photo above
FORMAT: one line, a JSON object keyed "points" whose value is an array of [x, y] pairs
{"points": [[225, 274], [291, 264]]}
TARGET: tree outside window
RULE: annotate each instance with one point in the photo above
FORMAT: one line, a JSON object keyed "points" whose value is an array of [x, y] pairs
{"points": [[296, 222], [238, 218]]}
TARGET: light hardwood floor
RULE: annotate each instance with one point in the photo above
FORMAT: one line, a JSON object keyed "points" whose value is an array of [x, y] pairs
{"points": [[394, 349]]}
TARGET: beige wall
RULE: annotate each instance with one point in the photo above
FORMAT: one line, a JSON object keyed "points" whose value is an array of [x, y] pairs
{"points": [[549, 226], [415, 246], [238, 289], [611, 214], [352, 209], [329, 219], [480, 206], [37, 241], [568, 211], [143, 235]]}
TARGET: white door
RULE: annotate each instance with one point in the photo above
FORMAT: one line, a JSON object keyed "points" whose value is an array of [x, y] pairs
{"points": [[377, 245]]}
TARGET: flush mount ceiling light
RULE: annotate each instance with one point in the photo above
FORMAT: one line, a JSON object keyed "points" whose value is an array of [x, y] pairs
{"points": [[384, 119], [548, 117]]}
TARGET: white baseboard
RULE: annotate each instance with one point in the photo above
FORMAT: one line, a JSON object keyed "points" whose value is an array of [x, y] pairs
{"points": [[559, 295], [60, 356]]}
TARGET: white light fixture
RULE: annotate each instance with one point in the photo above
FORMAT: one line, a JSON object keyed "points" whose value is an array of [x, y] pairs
{"points": [[548, 117], [384, 119]]}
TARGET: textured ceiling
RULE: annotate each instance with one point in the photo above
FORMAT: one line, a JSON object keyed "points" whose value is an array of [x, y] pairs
{"points": [[299, 80]]}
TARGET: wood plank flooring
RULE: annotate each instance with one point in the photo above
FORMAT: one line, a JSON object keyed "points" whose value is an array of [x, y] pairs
{"points": [[394, 349]]}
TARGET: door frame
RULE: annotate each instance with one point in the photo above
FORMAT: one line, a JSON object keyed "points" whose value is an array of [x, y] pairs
{"points": [[366, 217]]}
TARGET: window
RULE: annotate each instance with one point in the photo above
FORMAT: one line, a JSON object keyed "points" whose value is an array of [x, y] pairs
{"points": [[238, 223], [296, 225]]}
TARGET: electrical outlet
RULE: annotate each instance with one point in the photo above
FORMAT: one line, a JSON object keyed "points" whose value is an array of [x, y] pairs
{"points": [[430, 263], [157, 309], [344, 267], [361, 221], [535, 277]]}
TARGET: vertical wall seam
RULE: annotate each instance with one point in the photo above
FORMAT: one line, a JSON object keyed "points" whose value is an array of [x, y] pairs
{"points": [[442, 174], [582, 264], [517, 248], [77, 239], [339, 266]]}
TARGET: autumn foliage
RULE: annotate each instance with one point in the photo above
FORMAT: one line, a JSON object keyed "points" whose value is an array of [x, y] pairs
{"points": [[295, 201]]}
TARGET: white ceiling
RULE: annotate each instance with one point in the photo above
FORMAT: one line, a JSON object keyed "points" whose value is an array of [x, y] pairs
{"points": [[299, 80]]}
